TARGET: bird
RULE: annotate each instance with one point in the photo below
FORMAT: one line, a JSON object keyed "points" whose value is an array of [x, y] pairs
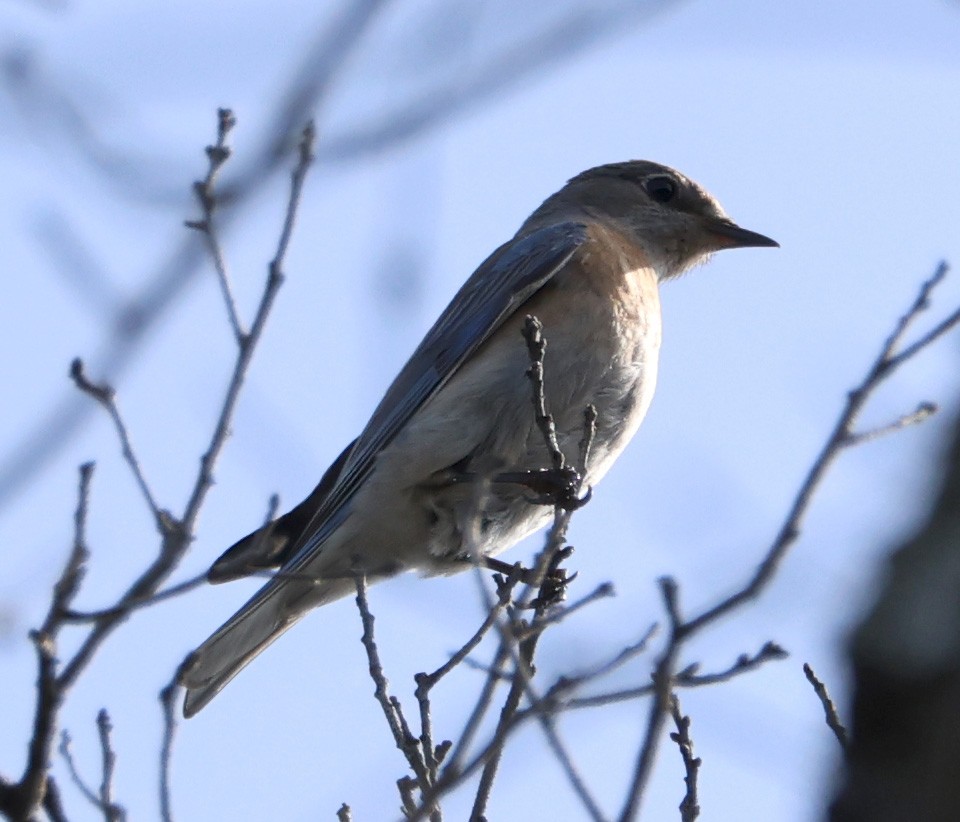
{"points": [[588, 264]]}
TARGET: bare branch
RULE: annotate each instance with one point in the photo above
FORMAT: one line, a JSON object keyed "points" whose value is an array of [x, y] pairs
{"points": [[504, 592], [405, 741], [453, 771], [536, 347], [570, 769], [75, 777], [685, 678], [560, 614], [407, 786], [921, 304], [518, 639], [20, 800], [549, 579], [134, 604], [106, 396], [657, 713], [433, 756], [905, 741], [831, 714], [102, 800], [769, 652], [168, 701], [690, 804], [111, 811], [306, 156], [74, 616], [557, 698], [842, 435], [217, 155], [178, 533], [924, 411]]}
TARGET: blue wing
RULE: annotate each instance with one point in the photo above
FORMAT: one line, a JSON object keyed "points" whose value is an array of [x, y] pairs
{"points": [[505, 281], [496, 290]]}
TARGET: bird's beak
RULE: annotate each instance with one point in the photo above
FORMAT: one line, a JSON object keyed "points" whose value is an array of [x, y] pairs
{"points": [[730, 235]]}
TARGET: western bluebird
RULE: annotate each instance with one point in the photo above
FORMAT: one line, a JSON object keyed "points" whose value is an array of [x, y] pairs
{"points": [[587, 263]]}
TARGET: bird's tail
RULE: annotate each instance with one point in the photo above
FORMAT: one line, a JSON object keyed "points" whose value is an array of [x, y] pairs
{"points": [[270, 612]]}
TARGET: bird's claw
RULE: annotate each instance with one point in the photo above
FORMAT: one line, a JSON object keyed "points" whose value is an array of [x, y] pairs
{"points": [[553, 589], [556, 487]]}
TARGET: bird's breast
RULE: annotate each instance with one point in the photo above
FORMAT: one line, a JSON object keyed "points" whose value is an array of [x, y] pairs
{"points": [[605, 347]]}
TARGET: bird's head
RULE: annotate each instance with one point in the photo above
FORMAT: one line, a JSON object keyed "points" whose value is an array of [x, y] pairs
{"points": [[674, 219]]}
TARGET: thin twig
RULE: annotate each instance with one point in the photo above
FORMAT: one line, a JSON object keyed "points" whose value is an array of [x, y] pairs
{"points": [[690, 677], [557, 694], [685, 678], [111, 811], [659, 706], [433, 755], [274, 281], [570, 769], [128, 606], [922, 302], [217, 156], [690, 804], [102, 800], [536, 347], [106, 396], [168, 703], [306, 156], [518, 686], [503, 598], [831, 714], [406, 787], [21, 799], [558, 615], [405, 741], [73, 616], [381, 692], [75, 777], [924, 411], [453, 770], [522, 683]]}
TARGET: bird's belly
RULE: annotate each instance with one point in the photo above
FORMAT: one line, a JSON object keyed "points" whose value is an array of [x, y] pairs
{"points": [[610, 363], [482, 423]]}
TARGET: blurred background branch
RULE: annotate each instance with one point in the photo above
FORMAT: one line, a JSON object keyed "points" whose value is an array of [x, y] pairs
{"points": [[463, 59]]}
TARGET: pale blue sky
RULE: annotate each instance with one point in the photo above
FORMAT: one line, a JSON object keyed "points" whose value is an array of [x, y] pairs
{"points": [[830, 127]]}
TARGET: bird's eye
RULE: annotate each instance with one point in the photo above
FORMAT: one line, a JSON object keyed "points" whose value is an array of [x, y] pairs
{"points": [[661, 189]]}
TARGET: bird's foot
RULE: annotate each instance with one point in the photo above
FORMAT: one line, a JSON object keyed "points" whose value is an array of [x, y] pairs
{"points": [[553, 588], [552, 585], [510, 571], [557, 487]]}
